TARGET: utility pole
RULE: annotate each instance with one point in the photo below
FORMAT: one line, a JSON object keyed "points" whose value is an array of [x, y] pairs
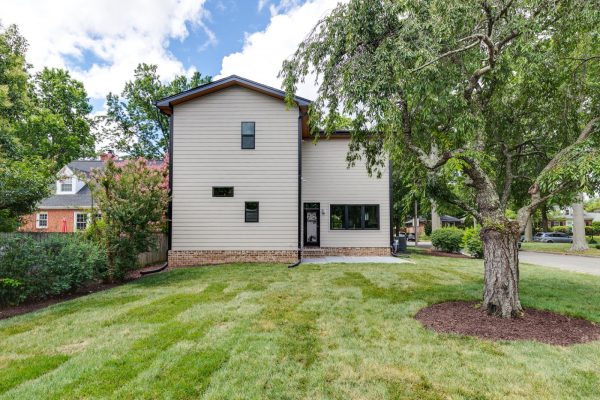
{"points": [[416, 223]]}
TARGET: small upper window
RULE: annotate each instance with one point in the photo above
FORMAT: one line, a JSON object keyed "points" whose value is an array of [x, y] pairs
{"points": [[248, 136], [222, 191], [251, 211], [66, 185], [41, 220]]}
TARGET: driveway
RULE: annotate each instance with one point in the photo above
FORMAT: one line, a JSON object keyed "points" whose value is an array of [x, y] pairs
{"points": [[589, 265]]}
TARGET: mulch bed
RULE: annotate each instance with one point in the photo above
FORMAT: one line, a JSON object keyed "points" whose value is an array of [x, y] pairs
{"points": [[465, 318], [94, 287]]}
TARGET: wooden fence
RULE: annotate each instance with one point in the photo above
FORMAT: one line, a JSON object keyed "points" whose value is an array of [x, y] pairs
{"points": [[148, 258]]}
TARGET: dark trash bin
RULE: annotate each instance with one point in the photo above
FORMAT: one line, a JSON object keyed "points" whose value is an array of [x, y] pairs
{"points": [[399, 245]]}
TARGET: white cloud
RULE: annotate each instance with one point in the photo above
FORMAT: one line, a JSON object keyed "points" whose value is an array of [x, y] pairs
{"points": [[118, 34], [263, 52]]}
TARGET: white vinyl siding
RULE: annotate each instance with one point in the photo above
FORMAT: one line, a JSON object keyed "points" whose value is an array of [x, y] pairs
{"points": [[207, 154], [327, 180]]}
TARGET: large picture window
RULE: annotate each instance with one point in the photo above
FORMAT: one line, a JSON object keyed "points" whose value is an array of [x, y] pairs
{"points": [[354, 217], [248, 135]]}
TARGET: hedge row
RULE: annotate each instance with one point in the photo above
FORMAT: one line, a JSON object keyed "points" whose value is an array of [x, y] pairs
{"points": [[35, 270]]}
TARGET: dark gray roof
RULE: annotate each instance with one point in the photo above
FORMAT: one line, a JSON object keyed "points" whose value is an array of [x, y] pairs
{"points": [[85, 166], [165, 104], [81, 199], [448, 218]]}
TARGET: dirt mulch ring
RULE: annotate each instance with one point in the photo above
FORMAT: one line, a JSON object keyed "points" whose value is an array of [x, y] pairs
{"points": [[89, 289], [465, 318], [437, 253]]}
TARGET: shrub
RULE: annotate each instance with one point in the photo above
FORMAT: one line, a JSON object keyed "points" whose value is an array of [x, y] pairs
{"points": [[562, 229], [35, 270], [472, 242], [132, 198], [598, 246], [447, 239]]}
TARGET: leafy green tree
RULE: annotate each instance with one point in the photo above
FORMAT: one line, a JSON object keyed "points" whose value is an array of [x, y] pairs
{"points": [[132, 199], [473, 87], [43, 125], [57, 125], [133, 122], [24, 177], [592, 204]]}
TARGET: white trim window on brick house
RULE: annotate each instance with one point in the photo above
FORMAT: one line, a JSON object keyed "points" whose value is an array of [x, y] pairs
{"points": [[81, 221], [41, 220]]}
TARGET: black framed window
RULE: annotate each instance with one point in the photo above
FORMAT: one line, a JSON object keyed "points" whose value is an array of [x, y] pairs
{"points": [[251, 211], [354, 217], [248, 135], [222, 191]]}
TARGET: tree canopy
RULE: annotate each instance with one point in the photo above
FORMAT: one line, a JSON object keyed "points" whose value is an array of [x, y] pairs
{"points": [[133, 123], [44, 125], [479, 89]]}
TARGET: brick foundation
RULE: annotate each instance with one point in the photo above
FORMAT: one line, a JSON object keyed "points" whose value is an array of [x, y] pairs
{"points": [[345, 251], [187, 258]]}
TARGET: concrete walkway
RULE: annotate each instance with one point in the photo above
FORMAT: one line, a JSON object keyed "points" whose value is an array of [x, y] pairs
{"points": [[356, 260], [589, 265]]}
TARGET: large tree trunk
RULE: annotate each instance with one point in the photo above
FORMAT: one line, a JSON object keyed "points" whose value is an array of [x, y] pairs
{"points": [[501, 280], [579, 240], [529, 230], [436, 221]]}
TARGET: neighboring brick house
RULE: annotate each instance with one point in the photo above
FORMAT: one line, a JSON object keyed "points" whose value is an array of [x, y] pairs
{"points": [[68, 208], [249, 184]]}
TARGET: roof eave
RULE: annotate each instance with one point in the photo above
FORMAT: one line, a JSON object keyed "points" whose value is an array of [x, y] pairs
{"points": [[165, 105]]}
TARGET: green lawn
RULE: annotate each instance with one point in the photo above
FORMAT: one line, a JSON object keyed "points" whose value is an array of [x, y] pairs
{"points": [[559, 248], [318, 332]]}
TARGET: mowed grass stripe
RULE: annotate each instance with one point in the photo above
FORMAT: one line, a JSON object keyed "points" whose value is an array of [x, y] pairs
{"points": [[24, 369]]}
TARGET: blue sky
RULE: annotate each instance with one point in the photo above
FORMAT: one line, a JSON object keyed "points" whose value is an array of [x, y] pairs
{"points": [[101, 41], [230, 21]]}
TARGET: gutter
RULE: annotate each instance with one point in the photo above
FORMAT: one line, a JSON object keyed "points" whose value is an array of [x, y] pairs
{"points": [[170, 206], [299, 190], [391, 199]]}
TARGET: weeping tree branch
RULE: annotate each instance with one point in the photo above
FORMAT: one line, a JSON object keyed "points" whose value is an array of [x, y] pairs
{"points": [[534, 190]]}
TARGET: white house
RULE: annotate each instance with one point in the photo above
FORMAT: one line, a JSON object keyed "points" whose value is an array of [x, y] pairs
{"points": [[249, 184]]}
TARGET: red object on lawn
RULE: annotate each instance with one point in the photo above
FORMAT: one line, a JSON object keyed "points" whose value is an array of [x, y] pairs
{"points": [[63, 228]]}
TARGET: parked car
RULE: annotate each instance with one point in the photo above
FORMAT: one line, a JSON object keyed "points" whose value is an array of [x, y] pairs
{"points": [[552, 237], [410, 237]]}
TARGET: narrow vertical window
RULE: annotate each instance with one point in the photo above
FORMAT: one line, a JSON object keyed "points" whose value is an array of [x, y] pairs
{"points": [[251, 211], [248, 135]]}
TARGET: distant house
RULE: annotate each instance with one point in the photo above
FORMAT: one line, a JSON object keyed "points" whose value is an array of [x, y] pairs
{"points": [[447, 221], [564, 217], [68, 208], [250, 184]]}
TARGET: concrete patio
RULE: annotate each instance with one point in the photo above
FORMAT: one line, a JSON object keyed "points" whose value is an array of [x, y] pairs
{"points": [[356, 260]]}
